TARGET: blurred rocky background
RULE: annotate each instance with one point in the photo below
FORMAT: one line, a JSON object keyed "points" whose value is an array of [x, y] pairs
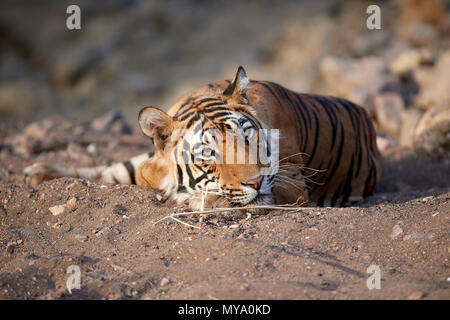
{"points": [[134, 53]]}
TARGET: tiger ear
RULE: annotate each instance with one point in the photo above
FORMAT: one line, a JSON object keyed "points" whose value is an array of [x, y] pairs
{"points": [[236, 91], [157, 125]]}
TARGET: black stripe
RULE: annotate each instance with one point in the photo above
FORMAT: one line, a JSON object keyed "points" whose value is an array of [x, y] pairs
{"points": [[130, 170], [315, 142], [321, 200], [301, 107], [335, 197], [181, 187], [331, 116], [348, 183], [338, 160], [367, 184]]}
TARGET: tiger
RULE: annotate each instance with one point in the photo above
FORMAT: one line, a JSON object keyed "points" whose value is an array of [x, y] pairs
{"points": [[311, 149]]}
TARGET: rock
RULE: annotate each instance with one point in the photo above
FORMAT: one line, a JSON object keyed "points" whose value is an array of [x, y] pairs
{"points": [[426, 199], [388, 108], [81, 237], [91, 148], [416, 295], [42, 136], [359, 80], [10, 247], [165, 281], [397, 230], [57, 210], [112, 121], [72, 202], [385, 144], [410, 119], [434, 84], [410, 59], [432, 135], [417, 235], [244, 287]]}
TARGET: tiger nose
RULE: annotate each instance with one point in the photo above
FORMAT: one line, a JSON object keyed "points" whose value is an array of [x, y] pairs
{"points": [[255, 183]]}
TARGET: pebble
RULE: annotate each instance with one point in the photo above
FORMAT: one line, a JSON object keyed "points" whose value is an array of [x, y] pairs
{"points": [[426, 199], [165, 281], [81, 237], [234, 226], [244, 287], [416, 235], [159, 197], [10, 248], [57, 210], [396, 231], [91, 148], [416, 295], [72, 202]]}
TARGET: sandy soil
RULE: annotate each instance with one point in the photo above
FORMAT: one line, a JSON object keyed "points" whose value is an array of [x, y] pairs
{"points": [[319, 253]]}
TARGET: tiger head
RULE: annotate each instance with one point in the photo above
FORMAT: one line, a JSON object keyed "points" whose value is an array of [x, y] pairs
{"points": [[213, 145]]}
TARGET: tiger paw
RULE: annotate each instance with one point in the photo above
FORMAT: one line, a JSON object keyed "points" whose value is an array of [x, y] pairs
{"points": [[40, 172]]}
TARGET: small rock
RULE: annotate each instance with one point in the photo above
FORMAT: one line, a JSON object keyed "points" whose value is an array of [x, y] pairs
{"points": [[72, 202], [432, 135], [359, 80], [411, 59], [426, 199], [57, 225], [244, 287], [10, 247], [384, 144], [416, 235], [234, 226], [397, 230], [81, 237], [388, 108], [416, 295], [57, 210], [433, 83], [159, 197], [165, 281], [91, 148], [410, 119]]}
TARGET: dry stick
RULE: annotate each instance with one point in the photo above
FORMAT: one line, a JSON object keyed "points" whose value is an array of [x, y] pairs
{"points": [[280, 207], [185, 223]]}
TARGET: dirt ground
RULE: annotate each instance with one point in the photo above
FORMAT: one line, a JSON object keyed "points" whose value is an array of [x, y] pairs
{"points": [[318, 253]]}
